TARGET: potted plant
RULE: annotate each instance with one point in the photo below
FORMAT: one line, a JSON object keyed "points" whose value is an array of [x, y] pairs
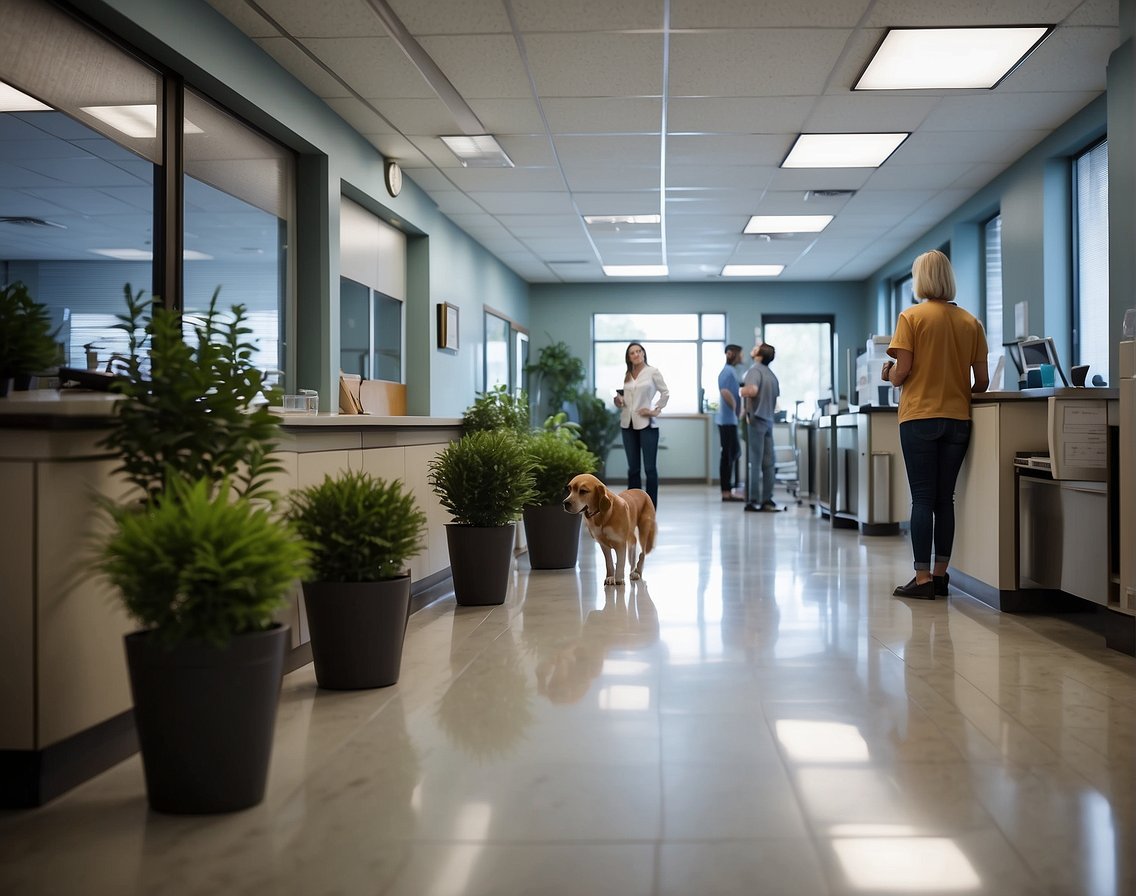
{"points": [[200, 558], [497, 408], [553, 535], [27, 342], [599, 428], [191, 407], [483, 479], [361, 530], [558, 375], [203, 572]]}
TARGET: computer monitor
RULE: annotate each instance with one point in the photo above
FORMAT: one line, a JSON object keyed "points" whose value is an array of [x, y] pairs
{"points": [[1038, 350]]}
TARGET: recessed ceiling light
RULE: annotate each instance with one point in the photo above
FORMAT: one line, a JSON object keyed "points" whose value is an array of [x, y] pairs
{"points": [[635, 270], [478, 151], [139, 120], [949, 58], [147, 255], [12, 100], [623, 219], [752, 270], [787, 223], [842, 150]]}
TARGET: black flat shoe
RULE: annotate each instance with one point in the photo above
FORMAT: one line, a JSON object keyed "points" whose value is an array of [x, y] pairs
{"points": [[925, 591], [942, 583]]}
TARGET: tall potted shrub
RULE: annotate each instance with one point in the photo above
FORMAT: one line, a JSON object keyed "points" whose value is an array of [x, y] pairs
{"points": [[483, 479], [361, 530], [553, 535], [203, 572], [27, 342], [599, 428], [200, 557]]}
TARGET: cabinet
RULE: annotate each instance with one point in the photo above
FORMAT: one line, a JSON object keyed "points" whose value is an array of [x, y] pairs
{"points": [[1063, 536]]}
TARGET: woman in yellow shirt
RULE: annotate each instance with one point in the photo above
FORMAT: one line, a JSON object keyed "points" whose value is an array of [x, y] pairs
{"points": [[940, 360]]}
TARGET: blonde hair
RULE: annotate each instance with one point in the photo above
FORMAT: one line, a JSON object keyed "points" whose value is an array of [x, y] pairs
{"points": [[932, 277]]}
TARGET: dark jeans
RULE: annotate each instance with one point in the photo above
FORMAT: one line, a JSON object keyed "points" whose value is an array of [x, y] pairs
{"points": [[643, 442], [731, 448], [933, 451]]}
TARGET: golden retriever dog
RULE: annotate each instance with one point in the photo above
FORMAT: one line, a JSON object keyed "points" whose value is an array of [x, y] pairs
{"points": [[613, 521]]}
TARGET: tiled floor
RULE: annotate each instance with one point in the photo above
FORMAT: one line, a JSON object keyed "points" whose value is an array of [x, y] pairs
{"points": [[759, 716]]}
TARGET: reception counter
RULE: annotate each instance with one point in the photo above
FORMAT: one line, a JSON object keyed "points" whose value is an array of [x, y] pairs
{"points": [[64, 695]]}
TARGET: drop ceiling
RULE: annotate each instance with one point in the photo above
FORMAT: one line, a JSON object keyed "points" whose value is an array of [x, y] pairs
{"points": [[684, 109]]}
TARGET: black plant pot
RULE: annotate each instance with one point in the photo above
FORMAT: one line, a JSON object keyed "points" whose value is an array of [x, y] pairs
{"points": [[21, 382], [481, 560], [357, 631], [553, 535], [205, 719]]}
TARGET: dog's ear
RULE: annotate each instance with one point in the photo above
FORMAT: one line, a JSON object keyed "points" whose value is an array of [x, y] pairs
{"points": [[603, 499]]}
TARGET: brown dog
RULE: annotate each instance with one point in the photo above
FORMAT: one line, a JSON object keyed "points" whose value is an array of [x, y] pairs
{"points": [[613, 521]]}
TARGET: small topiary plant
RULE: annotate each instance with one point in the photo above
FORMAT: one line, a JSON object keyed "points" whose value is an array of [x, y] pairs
{"points": [[360, 528], [484, 478]]}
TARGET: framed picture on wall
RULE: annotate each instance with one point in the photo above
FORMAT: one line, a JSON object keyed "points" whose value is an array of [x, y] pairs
{"points": [[447, 327]]}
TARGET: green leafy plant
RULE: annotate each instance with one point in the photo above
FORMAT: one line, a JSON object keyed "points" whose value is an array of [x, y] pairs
{"points": [[484, 478], [497, 409], [559, 374], [560, 426], [557, 461], [196, 564], [190, 411], [27, 341], [599, 426], [360, 528]]}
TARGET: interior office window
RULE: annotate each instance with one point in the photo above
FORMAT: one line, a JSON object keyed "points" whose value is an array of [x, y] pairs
{"points": [[521, 361], [804, 360], [992, 262], [903, 296], [372, 293], [80, 146], [1090, 288], [370, 328], [686, 348], [239, 200], [498, 360]]}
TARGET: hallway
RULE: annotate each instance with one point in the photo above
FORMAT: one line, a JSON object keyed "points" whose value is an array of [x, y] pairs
{"points": [[759, 716]]}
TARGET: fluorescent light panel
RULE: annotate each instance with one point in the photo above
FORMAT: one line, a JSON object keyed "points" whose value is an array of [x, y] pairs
{"points": [[752, 270], [635, 270], [623, 219], [12, 100], [949, 58], [147, 255], [139, 121], [787, 223], [842, 150], [478, 151]]}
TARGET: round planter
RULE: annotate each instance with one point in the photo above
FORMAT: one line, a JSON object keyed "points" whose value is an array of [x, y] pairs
{"points": [[553, 535], [205, 718], [480, 562], [357, 630]]}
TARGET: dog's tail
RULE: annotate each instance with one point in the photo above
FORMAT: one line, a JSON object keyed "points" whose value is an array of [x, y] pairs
{"points": [[647, 529]]}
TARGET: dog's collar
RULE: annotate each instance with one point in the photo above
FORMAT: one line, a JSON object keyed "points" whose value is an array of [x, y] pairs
{"points": [[588, 514]]}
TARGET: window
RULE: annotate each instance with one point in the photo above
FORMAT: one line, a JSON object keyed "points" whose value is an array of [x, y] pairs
{"points": [[992, 259], [238, 217], [686, 348], [1090, 279], [506, 353], [804, 360]]}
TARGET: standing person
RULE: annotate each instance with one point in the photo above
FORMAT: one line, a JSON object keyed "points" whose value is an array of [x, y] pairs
{"points": [[937, 346], [761, 390], [729, 403], [642, 398]]}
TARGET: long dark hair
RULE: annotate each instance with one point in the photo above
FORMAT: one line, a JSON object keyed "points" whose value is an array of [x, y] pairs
{"points": [[627, 357]]}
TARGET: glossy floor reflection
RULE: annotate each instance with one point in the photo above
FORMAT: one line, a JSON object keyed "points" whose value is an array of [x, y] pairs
{"points": [[759, 716]]}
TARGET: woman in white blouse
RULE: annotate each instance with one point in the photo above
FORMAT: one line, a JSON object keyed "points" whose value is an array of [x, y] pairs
{"points": [[642, 398]]}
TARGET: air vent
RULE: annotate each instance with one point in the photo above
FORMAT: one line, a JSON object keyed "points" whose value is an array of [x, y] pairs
{"points": [[24, 221], [827, 194]]}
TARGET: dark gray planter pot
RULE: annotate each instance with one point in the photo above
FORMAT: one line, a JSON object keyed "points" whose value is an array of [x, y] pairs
{"points": [[481, 560], [357, 631], [553, 535], [206, 717]]}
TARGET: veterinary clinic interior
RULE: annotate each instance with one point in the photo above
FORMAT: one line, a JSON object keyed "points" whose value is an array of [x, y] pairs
{"points": [[413, 199]]}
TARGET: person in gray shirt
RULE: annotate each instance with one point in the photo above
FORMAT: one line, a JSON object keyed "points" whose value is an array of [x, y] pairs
{"points": [[760, 389]]}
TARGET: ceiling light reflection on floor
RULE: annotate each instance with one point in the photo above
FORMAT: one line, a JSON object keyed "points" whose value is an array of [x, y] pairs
{"points": [[808, 741], [625, 697], [906, 865]]}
